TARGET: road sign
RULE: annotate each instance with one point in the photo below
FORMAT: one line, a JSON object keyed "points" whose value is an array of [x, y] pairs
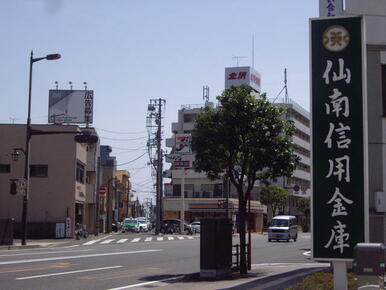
{"points": [[22, 184], [102, 190]]}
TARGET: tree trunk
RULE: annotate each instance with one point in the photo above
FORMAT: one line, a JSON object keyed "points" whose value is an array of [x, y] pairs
{"points": [[242, 218]]}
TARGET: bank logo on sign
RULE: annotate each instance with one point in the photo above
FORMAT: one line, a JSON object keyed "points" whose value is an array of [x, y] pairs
{"points": [[336, 38]]}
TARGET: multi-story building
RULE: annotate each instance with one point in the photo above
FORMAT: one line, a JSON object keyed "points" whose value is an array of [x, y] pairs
{"points": [[108, 207], [299, 185], [123, 187], [61, 194]]}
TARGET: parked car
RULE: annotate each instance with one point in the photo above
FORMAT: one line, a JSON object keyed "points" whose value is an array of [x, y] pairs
{"points": [[196, 226], [143, 225], [130, 225], [283, 227], [171, 226]]}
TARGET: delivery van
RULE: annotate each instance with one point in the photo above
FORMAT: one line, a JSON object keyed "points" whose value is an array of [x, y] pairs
{"points": [[283, 227]]}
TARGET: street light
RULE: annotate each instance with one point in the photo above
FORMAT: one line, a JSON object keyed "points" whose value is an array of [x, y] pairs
{"points": [[27, 144]]}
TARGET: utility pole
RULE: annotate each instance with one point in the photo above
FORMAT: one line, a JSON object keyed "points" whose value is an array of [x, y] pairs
{"points": [[154, 125]]}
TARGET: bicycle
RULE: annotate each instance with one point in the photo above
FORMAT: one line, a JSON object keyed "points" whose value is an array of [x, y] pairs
{"points": [[80, 232]]}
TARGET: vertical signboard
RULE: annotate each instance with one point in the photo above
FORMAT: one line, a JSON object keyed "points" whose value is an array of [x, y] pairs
{"points": [[329, 8], [183, 143], [338, 137]]}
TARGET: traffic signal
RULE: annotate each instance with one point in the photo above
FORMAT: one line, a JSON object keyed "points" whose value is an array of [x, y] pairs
{"points": [[13, 188]]}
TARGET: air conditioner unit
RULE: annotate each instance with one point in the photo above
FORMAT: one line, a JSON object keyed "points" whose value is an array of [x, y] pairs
{"points": [[380, 201]]}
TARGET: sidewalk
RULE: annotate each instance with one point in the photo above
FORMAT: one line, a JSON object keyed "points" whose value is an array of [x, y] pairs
{"points": [[262, 276], [44, 243]]}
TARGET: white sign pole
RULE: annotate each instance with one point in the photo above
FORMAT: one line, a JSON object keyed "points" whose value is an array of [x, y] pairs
{"points": [[182, 200], [340, 275]]}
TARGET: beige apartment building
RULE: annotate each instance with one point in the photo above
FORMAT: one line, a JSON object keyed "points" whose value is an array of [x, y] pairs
{"points": [[61, 194], [123, 187]]}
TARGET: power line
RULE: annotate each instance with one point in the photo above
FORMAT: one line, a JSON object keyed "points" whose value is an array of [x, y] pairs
{"points": [[129, 151], [132, 160], [119, 132], [115, 139]]}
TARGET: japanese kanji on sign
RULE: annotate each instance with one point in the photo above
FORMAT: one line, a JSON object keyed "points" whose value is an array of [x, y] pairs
{"points": [[339, 160]]}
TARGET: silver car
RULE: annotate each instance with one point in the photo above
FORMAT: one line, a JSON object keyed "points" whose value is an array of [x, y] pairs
{"points": [[196, 226]]}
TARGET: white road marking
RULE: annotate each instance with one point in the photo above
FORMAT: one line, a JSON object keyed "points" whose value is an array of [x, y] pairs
{"points": [[95, 241], [160, 238], [42, 253], [170, 238], [107, 241], [308, 253], [90, 242], [190, 238], [180, 238], [148, 239], [147, 283], [306, 237], [122, 241], [75, 257], [136, 240], [66, 273]]}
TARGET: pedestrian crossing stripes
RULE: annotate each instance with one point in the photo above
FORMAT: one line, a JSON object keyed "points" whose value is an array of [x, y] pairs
{"points": [[107, 241], [137, 240], [122, 241]]}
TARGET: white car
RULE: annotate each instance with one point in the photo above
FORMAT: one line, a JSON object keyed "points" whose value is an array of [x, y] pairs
{"points": [[143, 225], [196, 226]]}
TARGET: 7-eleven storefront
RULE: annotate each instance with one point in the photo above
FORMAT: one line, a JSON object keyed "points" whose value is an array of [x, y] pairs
{"points": [[198, 208]]}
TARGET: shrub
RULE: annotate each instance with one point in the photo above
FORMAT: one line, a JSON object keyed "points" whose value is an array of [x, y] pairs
{"points": [[322, 281]]}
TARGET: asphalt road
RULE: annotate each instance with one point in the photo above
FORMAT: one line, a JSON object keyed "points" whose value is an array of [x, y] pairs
{"points": [[125, 260]]}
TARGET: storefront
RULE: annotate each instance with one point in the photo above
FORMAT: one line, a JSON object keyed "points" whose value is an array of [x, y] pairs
{"points": [[198, 208]]}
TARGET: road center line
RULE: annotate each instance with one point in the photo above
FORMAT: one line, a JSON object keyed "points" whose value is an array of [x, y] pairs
{"points": [[147, 283], [66, 273], [75, 257]]}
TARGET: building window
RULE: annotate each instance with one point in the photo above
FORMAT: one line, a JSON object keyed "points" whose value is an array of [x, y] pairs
{"points": [[302, 135], [304, 167], [79, 172], [189, 118], [301, 150], [5, 168], [38, 170]]}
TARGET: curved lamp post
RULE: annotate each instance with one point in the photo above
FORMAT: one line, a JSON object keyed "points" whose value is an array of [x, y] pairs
{"points": [[27, 144]]}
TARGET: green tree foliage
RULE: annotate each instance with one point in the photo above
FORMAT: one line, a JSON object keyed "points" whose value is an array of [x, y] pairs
{"points": [[304, 207], [246, 139], [274, 197]]}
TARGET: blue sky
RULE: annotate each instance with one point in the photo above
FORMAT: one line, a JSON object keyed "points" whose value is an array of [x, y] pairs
{"points": [[132, 51]]}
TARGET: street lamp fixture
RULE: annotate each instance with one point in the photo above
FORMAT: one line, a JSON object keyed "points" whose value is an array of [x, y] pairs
{"points": [[27, 145]]}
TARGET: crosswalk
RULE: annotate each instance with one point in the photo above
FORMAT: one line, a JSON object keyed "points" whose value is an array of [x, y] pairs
{"points": [[136, 240]]}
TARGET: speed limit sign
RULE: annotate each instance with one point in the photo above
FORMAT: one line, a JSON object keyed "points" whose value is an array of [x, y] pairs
{"points": [[22, 184]]}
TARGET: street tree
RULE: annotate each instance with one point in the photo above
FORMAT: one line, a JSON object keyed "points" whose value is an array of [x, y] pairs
{"points": [[274, 197], [244, 139], [304, 207]]}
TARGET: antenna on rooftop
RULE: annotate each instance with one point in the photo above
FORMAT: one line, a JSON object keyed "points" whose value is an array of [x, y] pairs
{"points": [[285, 86], [253, 51], [70, 83], [56, 85], [205, 93], [85, 86], [237, 58]]}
